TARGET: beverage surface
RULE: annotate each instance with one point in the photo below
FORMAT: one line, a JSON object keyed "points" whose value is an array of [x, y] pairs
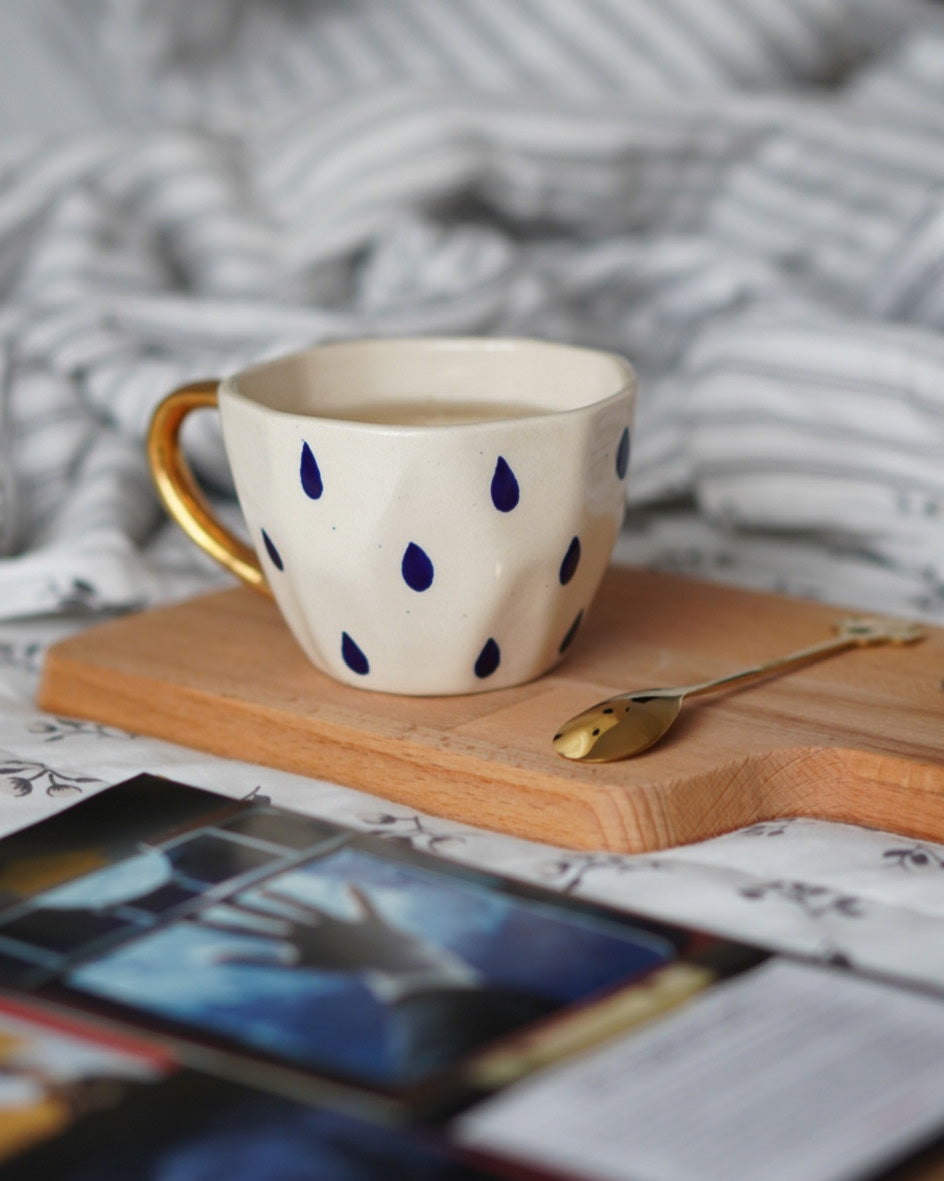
{"points": [[430, 412]]}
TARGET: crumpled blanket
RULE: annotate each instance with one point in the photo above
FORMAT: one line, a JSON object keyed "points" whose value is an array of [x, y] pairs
{"points": [[746, 197], [742, 195]]}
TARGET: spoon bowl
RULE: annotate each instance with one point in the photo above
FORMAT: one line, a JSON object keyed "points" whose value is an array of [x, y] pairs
{"points": [[619, 727]]}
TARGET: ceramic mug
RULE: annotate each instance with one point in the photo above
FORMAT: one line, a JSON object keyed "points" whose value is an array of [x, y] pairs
{"points": [[431, 516]]}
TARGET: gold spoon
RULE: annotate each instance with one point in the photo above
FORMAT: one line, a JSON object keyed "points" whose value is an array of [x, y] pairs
{"points": [[628, 723]]}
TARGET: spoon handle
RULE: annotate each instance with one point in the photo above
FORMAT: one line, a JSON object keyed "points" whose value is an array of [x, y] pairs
{"points": [[853, 633]]}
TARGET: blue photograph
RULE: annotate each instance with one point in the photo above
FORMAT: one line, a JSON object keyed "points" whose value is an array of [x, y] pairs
{"points": [[379, 971], [253, 1136]]}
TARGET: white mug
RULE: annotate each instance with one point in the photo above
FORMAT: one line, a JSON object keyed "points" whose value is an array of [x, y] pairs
{"points": [[431, 515]]}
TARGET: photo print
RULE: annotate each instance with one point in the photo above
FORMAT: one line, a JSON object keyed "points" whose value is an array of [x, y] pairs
{"points": [[367, 968], [79, 1104], [247, 928]]}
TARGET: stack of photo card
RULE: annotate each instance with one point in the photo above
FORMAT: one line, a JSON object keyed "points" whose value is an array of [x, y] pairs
{"points": [[198, 987]]}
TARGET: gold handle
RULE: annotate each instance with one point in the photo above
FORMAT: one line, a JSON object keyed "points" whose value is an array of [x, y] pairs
{"points": [[180, 493]]}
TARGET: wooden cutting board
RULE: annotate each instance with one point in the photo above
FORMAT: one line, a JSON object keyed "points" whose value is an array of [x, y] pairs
{"points": [[858, 737]]}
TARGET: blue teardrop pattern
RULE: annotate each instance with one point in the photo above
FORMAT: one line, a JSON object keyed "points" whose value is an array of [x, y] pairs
{"points": [[622, 454], [488, 659], [416, 568], [571, 561], [505, 490], [310, 474], [571, 632], [272, 551], [353, 657]]}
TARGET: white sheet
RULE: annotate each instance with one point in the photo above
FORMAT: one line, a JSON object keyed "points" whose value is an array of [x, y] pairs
{"points": [[745, 197]]}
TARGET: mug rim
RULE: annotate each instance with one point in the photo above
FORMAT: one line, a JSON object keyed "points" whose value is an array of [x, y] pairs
{"points": [[230, 388]]}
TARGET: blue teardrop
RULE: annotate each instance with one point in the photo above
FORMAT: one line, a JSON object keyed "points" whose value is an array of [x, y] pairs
{"points": [[310, 475], [622, 454], [489, 659], [272, 551], [571, 632], [505, 491], [570, 562], [354, 658], [416, 568]]}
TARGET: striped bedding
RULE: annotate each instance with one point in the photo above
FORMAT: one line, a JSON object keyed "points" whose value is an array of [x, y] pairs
{"points": [[746, 197]]}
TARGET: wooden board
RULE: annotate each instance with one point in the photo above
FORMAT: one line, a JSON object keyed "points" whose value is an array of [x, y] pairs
{"points": [[858, 737]]}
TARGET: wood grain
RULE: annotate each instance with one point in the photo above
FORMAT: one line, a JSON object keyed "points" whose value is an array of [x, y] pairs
{"points": [[858, 737]]}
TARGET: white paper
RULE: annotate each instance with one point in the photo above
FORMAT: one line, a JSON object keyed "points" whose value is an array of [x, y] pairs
{"points": [[788, 1073]]}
